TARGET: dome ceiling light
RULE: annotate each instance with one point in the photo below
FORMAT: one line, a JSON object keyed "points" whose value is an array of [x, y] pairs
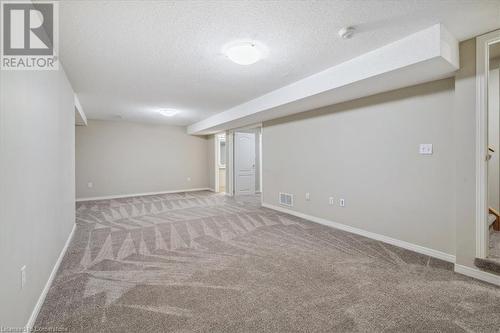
{"points": [[244, 53]]}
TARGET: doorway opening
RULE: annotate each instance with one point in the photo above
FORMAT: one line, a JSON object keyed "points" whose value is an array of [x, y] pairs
{"points": [[246, 161], [487, 151], [493, 176], [220, 163]]}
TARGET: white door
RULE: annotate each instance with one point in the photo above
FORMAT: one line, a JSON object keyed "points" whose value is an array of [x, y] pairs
{"points": [[244, 163]]}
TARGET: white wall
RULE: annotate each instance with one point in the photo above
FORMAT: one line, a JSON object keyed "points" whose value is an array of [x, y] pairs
{"points": [[37, 184], [122, 158], [366, 151]]}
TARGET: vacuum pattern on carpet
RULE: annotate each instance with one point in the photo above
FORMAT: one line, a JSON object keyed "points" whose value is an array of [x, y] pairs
{"points": [[203, 262]]}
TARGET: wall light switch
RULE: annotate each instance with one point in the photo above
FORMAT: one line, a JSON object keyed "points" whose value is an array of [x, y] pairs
{"points": [[425, 149], [342, 202], [308, 196], [188, 179], [90, 184], [331, 201]]}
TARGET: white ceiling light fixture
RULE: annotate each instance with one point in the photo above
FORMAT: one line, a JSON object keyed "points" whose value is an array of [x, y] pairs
{"points": [[244, 52], [169, 112]]}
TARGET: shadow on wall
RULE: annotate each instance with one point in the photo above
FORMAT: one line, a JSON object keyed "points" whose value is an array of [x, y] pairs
{"points": [[369, 101]]}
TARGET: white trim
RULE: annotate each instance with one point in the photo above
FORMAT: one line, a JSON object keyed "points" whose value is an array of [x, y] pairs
{"points": [[81, 113], [478, 274], [217, 152], [41, 299], [141, 194], [249, 127], [482, 64], [230, 162], [221, 137], [409, 246], [260, 159], [216, 162]]}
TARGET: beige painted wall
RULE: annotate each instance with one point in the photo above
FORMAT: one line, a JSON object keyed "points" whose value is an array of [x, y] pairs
{"points": [[464, 136], [122, 158], [37, 184], [462, 198], [366, 151]]}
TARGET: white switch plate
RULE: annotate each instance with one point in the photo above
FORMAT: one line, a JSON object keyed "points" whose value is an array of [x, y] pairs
{"points": [[331, 201], [342, 202], [90, 185], [308, 196], [23, 276], [188, 179], [425, 149]]}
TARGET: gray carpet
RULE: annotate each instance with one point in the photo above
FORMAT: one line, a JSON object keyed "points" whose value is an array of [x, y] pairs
{"points": [[495, 246], [491, 264], [202, 262]]}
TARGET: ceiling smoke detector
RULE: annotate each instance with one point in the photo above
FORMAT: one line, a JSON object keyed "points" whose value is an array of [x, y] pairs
{"points": [[346, 32]]}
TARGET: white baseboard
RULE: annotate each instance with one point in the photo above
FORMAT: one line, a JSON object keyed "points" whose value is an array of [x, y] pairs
{"points": [[41, 299], [405, 245], [141, 194], [478, 274]]}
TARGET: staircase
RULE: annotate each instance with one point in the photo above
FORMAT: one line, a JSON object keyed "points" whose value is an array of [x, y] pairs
{"points": [[494, 220], [491, 264]]}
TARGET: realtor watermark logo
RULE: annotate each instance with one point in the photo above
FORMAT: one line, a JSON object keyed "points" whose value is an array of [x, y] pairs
{"points": [[29, 35]]}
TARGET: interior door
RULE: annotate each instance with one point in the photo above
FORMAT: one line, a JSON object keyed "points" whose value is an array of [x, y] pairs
{"points": [[244, 163]]}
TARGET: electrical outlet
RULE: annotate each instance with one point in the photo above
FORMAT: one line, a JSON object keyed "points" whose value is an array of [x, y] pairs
{"points": [[308, 196], [90, 184], [342, 202], [331, 201], [425, 149], [23, 276]]}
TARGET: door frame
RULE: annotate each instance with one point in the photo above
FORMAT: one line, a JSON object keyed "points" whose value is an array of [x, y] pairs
{"points": [[253, 133], [217, 153], [482, 72], [230, 174]]}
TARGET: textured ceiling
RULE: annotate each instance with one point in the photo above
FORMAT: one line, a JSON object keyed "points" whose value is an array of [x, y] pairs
{"points": [[127, 59]]}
